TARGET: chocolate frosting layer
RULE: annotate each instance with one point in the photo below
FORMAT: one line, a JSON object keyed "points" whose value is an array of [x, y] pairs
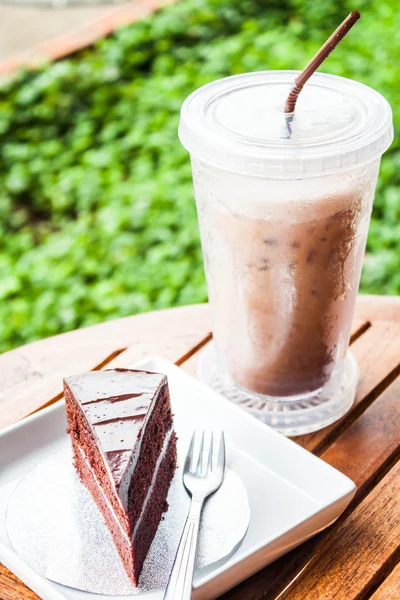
{"points": [[116, 403]]}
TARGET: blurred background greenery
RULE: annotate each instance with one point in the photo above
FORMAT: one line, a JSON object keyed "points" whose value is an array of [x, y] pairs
{"points": [[97, 214]]}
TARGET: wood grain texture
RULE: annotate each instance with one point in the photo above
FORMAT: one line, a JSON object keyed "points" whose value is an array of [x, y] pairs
{"points": [[359, 326], [190, 365], [178, 349], [378, 308], [350, 562], [12, 588], [362, 453], [390, 588], [371, 442], [31, 376], [378, 356]]}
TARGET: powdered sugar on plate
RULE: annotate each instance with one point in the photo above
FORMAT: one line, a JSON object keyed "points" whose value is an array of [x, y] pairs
{"points": [[54, 525]]}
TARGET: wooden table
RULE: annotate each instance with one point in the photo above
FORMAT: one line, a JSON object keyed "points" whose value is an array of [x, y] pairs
{"points": [[358, 557]]}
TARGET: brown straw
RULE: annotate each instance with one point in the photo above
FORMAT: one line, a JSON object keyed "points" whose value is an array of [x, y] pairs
{"points": [[319, 58]]}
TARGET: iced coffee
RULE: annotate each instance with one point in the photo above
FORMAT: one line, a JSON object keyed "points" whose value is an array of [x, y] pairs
{"points": [[284, 223], [283, 275]]}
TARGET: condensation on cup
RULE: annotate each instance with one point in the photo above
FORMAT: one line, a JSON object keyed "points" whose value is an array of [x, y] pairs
{"points": [[283, 223]]}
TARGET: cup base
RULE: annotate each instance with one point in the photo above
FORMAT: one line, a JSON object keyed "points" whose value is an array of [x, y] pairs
{"points": [[292, 415]]}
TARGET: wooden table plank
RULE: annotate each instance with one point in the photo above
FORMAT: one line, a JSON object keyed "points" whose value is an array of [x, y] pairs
{"points": [[378, 308], [359, 326], [140, 351], [12, 588], [390, 588], [366, 446], [378, 355], [31, 376], [355, 558], [377, 351], [371, 443], [374, 439]]}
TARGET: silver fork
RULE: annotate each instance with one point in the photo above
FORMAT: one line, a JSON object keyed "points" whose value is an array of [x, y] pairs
{"points": [[201, 478]]}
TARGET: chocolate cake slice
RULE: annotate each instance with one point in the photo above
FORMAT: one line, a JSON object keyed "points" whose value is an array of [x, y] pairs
{"points": [[124, 448]]}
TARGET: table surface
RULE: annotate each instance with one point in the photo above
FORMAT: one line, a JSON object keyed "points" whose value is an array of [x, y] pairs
{"points": [[357, 558]]}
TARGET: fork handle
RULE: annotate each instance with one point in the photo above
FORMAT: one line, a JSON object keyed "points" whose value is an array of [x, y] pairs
{"points": [[180, 582]]}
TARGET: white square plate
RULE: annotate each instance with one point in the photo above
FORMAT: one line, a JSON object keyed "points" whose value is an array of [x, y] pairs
{"points": [[292, 494]]}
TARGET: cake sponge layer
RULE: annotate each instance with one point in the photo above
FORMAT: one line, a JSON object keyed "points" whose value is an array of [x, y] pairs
{"points": [[120, 423]]}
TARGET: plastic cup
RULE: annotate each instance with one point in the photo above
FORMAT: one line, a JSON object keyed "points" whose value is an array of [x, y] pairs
{"points": [[283, 225]]}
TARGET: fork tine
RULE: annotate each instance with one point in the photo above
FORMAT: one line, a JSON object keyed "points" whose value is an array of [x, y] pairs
{"points": [[200, 459], [188, 466], [210, 454], [221, 453]]}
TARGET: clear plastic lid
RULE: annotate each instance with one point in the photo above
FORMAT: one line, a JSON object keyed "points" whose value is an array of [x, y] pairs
{"points": [[238, 123]]}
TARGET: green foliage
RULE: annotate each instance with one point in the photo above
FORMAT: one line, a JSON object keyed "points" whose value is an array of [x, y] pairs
{"points": [[97, 218]]}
